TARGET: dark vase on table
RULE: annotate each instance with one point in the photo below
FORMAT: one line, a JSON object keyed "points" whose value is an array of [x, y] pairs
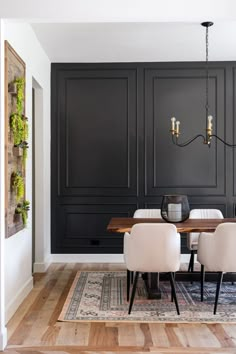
{"points": [[175, 208]]}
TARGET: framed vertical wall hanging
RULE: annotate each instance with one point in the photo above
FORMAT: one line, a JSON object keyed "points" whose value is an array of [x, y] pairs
{"points": [[16, 145]]}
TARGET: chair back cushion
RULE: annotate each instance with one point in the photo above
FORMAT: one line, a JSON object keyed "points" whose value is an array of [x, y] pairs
{"points": [[217, 251], [206, 214], [147, 213], [192, 238], [152, 248], [225, 246]]}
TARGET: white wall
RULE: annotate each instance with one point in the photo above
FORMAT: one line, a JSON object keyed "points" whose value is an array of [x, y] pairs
{"points": [[18, 248], [3, 333]]}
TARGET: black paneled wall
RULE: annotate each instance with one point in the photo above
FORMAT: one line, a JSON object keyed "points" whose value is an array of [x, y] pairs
{"points": [[112, 151]]}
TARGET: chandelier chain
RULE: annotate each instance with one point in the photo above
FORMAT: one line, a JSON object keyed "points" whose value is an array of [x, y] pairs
{"points": [[207, 73]]}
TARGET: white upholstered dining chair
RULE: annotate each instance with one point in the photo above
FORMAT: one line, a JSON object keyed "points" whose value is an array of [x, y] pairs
{"points": [[216, 252], [141, 213], [152, 248], [192, 238]]}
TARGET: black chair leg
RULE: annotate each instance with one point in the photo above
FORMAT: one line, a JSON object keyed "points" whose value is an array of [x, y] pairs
{"points": [[172, 293], [133, 292], [172, 282], [202, 280], [132, 277], [219, 282], [191, 262], [128, 283]]}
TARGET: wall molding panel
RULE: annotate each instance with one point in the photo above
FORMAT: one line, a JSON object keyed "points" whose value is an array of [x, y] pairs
{"points": [[169, 92], [97, 112], [111, 150]]}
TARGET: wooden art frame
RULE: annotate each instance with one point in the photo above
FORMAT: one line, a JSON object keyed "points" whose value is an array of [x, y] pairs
{"points": [[14, 69]]}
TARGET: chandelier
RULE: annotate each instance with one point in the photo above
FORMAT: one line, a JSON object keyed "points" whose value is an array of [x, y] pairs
{"points": [[175, 124]]}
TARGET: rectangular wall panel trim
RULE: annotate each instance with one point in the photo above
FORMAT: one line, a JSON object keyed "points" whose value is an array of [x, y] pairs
{"points": [[97, 127], [185, 92]]}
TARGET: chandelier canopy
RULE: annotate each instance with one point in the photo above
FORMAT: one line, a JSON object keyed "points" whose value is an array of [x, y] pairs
{"points": [[207, 137]]}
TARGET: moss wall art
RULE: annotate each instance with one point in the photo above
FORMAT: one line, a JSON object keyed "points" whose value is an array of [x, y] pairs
{"points": [[16, 144]]}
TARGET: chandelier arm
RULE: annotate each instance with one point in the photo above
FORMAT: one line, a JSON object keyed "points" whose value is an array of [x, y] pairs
{"points": [[224, 142], [175, 141]]}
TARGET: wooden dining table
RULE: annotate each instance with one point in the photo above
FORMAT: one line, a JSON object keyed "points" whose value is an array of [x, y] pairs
{"points": [[122, 225]]}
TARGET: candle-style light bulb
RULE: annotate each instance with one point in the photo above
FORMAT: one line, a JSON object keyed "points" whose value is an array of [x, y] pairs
{"points": [[177, 127], [173, 124], [209, 126]]}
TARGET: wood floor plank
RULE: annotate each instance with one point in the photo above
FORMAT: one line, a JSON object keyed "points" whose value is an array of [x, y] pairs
{"points": [[130, 334], [139, 335], [159, 335], [60, 297], [75, 333], [40, 280], [147, 335], [220, 333], [31, 317], [196, 336], [176, 350], [230, 329], [21, 312], [100, 335], [172, 335], [49, 337], [126, 350]]}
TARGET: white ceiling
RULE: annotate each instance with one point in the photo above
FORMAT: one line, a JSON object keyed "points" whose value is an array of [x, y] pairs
{"points": [[128, 42], [93, 11], [128, 30]]}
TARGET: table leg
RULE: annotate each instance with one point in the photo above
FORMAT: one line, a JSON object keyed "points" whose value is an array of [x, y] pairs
{"points": [[152, 285]]}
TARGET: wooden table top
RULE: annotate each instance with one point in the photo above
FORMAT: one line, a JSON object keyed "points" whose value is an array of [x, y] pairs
{"points": [[122, 225]]}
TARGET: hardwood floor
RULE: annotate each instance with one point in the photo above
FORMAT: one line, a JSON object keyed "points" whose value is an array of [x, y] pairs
{"points": [[34, 328]]}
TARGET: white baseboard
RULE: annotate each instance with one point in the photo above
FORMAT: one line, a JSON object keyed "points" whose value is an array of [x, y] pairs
{"points": [[15, 302], [41, 267], [3, 338], [87, 258], [97, 258]]}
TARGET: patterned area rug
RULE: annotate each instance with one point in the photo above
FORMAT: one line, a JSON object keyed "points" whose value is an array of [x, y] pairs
{"points": [[101, 296]]}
